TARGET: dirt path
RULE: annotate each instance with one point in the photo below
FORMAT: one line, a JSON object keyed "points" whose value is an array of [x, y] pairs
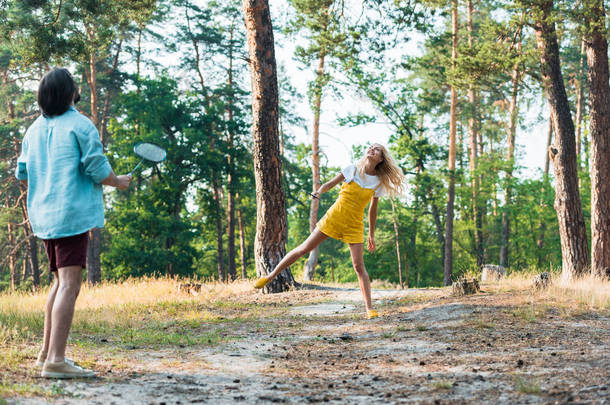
{"points": [[426, 348]]}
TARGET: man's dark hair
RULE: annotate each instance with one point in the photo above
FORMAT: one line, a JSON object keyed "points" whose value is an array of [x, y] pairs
{"points": [[56, 92]]}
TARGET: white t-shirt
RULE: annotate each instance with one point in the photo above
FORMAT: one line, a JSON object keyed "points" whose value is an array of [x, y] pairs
{"points": [[351, 173]]}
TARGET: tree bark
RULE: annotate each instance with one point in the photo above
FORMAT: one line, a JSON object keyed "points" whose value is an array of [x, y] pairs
{"points": [[12, 260], [25, 268], [106, 107], [271, 229], [439, 227], [473, 131], [231, 267], [448, 262], [242, 244], [220, 263], [397, 241], [549, 139], [545, 180], [580, 98], [94, 268], [312, 260], [33, 246], [599, 92], [574, 247], [32, 257], [415, 221], [510, 157]]}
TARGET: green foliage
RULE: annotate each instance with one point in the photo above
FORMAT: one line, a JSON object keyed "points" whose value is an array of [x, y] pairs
{"points": [[187, 92]]}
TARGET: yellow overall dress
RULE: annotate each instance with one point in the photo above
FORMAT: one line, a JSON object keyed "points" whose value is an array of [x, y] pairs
{"points": [[343, 221]]}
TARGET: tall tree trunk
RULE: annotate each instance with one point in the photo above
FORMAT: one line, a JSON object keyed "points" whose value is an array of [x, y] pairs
{"points": [[312, 260], [549, 139], [242, 244], [33, 247], [94, 249], [574, 247], [32, 257], [580, 98], [439, 228], [510, 157], [139, 56], [448, 263], [106, 107], [220, 265], [415, 222], [12, 259], [94, 268], [397, 241], [231, 267], [545, 179], [271, 230], [25, 268], [473, 131], [599, 90]]}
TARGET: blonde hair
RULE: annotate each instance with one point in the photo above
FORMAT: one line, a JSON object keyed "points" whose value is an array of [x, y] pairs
{"points": [[391, 176]]}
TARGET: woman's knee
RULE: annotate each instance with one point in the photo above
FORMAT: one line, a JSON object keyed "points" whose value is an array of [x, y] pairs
{"points": [[303, 249]]}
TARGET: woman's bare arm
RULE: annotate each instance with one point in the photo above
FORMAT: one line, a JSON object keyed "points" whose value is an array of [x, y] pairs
{"points": [[372, 223], [329, 185]]}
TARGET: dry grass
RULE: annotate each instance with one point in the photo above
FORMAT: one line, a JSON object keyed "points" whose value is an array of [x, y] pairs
{"points": [[143, 291], [135, 313], [116, 318], [588, 293]]}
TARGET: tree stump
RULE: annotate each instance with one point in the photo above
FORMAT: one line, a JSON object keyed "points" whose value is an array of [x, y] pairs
{"points": [[189, 288], [541, 281], [465, 286], [492, 272]]}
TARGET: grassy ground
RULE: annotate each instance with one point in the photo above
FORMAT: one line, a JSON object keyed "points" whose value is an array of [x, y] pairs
{"points": [[139, 329]]}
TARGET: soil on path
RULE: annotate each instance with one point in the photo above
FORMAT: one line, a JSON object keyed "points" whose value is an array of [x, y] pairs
{"points": [[427, 347]]}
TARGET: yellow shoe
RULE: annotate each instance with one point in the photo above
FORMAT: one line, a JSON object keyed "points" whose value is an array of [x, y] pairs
{"points": [[261, 282], [371, 313]]}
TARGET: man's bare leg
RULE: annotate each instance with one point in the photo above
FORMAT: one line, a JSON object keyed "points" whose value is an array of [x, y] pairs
{"points": [[69, 283]]}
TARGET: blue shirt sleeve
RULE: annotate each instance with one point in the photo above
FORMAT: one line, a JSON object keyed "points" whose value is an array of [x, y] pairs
{"points": [[94, 162], [21, 170]]}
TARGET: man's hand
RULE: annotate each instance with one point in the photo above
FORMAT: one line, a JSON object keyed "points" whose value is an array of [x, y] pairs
{"points": [[371, 243], [123, 181], [120, 182]]}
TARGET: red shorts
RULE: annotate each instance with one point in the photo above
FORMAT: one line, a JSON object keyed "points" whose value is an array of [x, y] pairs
{"points": [[69, 251]]}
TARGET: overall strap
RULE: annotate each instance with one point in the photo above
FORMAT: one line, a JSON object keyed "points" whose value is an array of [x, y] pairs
{"points": [[378, 185]]}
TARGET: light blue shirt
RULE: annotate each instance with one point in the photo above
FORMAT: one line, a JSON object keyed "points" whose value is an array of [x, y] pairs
{"points": [[62, 159]]}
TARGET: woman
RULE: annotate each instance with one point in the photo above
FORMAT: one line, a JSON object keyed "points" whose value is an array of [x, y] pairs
{"points": [[375, 175]]}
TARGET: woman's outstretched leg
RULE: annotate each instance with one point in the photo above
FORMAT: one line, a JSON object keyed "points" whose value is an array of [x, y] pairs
{"points": [[314, 239], [357, 250]]}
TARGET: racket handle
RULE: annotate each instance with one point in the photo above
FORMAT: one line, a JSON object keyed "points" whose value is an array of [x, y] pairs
{"points": [[134, 169]]}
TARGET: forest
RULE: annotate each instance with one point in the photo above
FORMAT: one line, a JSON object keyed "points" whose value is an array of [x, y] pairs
{"points": [[455, 83]]}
